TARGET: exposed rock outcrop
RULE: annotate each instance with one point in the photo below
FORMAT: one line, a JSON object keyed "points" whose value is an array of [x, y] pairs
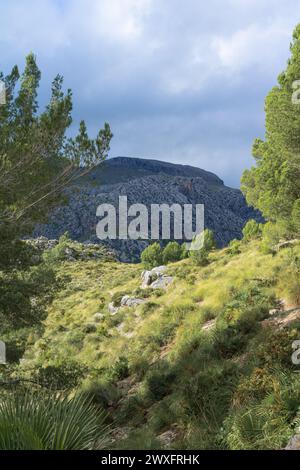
{"points": [[156, 278], [148, 182], [294, 443]]}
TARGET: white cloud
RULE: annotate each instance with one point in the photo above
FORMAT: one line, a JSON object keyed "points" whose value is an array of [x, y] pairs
{"points": [[254, 45], [168, 67], [111, 20]]}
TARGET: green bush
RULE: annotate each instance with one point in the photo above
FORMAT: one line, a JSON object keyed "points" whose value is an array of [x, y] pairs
{"points": [[159, 382], [203, 244], [117, 297], [17, 289], [101, 392], [61, 376], [58, 253], [172, 252], [120, 370], [234, 247], [199, 257], [152, 256], [296, 217], [272, 233], [252, 230], [50, 422]]}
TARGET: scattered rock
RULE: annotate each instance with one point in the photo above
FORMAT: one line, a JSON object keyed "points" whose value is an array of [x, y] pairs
{"points": [[294, 443], [119, 434], [81, 251], [156, 278], [287, 244], [146, 279], [282, 317], [209, 325], [274, 311], [162, 282], [42, 243], [128, 301], [35, 259], [168, 437], [112, 309], [98, 316]]}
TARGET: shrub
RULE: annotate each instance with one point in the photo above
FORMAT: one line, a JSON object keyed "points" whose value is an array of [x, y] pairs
{"points": [[159, 383], [172, 252], [296, 217], [271, 235], [252, 230], [101, 392], [50, 422], [117, 297], [234, 247], [203, 244], [120, 370], [17, 289], [199, 257], [60, 376], [152, 256], [59, 251], [148, 307], [209, 242]]}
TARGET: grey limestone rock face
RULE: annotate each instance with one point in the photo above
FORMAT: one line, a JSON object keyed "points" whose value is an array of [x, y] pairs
{"points": [[162, 282], [147, 182], [128, 301], [112, 309], [294, 443], [156, 278]]}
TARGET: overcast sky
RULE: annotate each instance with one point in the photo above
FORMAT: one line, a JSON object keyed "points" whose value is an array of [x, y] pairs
{"points": [[180, 81]]}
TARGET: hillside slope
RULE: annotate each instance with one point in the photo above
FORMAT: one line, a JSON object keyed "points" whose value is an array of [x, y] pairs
{"points": [[148, 182], [202, 363]]}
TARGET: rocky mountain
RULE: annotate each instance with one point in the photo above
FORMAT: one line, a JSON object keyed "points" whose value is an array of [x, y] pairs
{"points": [[147, 182]]}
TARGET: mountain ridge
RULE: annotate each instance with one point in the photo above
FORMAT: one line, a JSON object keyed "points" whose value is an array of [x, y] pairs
{"points": [[147, 182]]}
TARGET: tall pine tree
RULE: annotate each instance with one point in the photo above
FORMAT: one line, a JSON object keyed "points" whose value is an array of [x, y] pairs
{"points": [[273, 185]]}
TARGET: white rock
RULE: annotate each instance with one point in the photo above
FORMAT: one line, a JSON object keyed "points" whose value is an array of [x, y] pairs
{"points": [[159, 270], [112, 309], [131, 301], [148, 277], [99, 316], [162, 282], [294, 443]]}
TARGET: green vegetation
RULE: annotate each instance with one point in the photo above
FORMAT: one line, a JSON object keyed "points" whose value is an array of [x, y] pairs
{"points": [[273, 186], [152, 256], [172, 252], [46, 422], [204, 359], [207, 242], [252, 230]]}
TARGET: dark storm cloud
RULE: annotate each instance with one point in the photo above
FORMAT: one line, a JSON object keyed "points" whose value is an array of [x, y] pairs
{"points": [[178, 81]]}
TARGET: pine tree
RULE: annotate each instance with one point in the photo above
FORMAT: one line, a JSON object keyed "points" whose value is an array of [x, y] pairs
{"points": [[37, 160], [273, 185]]}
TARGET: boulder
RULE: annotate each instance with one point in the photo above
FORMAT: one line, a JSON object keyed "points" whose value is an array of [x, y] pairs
{"points": [[131, 301], [146, 279], [294, 443], [162, 282], [112, 309], [98, 316], [156, 278]]}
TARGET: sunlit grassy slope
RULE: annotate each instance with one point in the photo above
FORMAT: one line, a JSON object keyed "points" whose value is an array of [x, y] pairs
{"points": [[200, 365]]}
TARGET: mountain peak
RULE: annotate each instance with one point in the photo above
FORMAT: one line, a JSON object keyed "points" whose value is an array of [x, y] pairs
{"points": [[122, 169]]}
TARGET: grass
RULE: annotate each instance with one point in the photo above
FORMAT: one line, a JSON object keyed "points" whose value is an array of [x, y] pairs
{"points": [[155, 367]]}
